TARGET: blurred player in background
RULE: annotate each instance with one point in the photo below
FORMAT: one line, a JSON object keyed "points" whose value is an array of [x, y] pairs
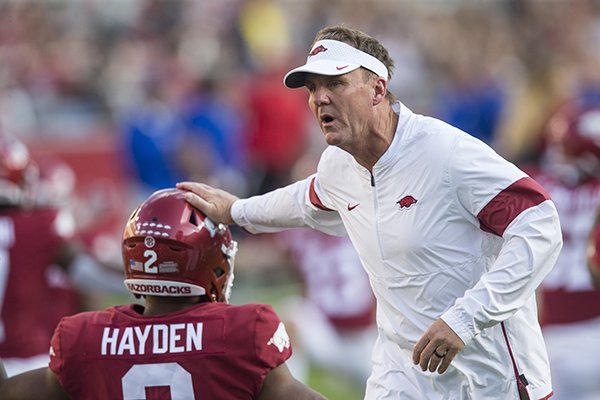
{"points": [[333, 322], [186, 342], [88, 278], [569, 169], [54, 191], [43, 259], [34, 256]]}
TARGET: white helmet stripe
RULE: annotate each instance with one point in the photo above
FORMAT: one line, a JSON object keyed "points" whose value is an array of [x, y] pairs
{"points": [[163, 288]]}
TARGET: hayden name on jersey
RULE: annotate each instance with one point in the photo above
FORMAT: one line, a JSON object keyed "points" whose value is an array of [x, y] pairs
{"points": [[211, 349]]}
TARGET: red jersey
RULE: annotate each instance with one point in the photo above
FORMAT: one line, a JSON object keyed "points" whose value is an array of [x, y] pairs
{"points": [[332, 276], [29, 241], [568, 295], [208, 351]]}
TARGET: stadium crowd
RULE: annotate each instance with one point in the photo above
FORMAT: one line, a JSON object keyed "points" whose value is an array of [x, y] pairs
{"points": [[208, 73]]}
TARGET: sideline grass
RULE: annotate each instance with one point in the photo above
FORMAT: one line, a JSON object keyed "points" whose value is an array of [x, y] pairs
{"points": [[333, 386]]}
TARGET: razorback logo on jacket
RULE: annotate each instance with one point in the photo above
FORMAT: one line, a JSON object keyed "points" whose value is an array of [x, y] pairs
{"points": [[406, 201]]}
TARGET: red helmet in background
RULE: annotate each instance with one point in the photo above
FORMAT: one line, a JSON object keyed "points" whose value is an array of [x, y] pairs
{"points": [[172, 249], [572, 141], [18, 172]]}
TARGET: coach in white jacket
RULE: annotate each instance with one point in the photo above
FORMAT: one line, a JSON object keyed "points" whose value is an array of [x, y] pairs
{"points": [[455, 239]]}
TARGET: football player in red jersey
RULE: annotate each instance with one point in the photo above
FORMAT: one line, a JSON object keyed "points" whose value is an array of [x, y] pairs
{"points": [[186, 341], [334, 318], [569, 170], [33, 259]]}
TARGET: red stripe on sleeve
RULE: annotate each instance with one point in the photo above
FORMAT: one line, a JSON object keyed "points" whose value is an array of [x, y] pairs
{"points": [[314, 198], [504, 208]]}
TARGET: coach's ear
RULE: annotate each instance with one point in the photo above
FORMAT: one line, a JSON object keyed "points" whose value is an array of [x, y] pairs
{"points": [[380, 90]]}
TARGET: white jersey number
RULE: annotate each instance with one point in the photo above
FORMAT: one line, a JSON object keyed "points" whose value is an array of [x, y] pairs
{"points": [[142, 376]]}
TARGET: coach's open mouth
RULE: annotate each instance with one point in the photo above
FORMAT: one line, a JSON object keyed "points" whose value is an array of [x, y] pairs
{"points": [[326, 118]]}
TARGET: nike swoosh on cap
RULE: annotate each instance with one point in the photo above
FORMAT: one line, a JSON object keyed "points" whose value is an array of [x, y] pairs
{"points": [[342, 67]]}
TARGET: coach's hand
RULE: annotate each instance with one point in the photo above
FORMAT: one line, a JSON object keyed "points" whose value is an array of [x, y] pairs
{"points": [[215, 203], [437, 347]]}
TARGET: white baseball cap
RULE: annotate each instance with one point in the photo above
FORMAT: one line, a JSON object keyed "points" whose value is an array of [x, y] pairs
{"points": [[332, 57]]}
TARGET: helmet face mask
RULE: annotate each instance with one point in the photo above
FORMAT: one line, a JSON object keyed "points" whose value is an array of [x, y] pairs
{"points": [[172, 249]]}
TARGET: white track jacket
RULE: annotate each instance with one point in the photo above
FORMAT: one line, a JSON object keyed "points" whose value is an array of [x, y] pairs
{"points": [[446, 228]]}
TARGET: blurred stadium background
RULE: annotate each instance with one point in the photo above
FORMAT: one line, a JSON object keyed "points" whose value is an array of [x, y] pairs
{"points": [[136, 95]]}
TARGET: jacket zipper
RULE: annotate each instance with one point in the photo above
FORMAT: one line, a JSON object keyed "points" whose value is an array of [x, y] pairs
{"points": [[521, 380]]}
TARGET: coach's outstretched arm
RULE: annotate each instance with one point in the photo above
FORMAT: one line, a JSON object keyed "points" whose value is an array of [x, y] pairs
{"points": [[280, 209]]}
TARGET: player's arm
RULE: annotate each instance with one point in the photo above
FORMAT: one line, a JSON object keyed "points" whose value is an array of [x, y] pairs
{"points": [[36, 384], [280, 384]]}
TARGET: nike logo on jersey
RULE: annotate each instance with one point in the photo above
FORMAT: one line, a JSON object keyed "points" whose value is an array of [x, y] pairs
{"points": [[406, 202], [342, 67], [350, 208]]}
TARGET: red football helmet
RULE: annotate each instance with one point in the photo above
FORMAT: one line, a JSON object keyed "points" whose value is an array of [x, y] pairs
{"points": [[172, 249], [572, 141], [18, 172]]}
